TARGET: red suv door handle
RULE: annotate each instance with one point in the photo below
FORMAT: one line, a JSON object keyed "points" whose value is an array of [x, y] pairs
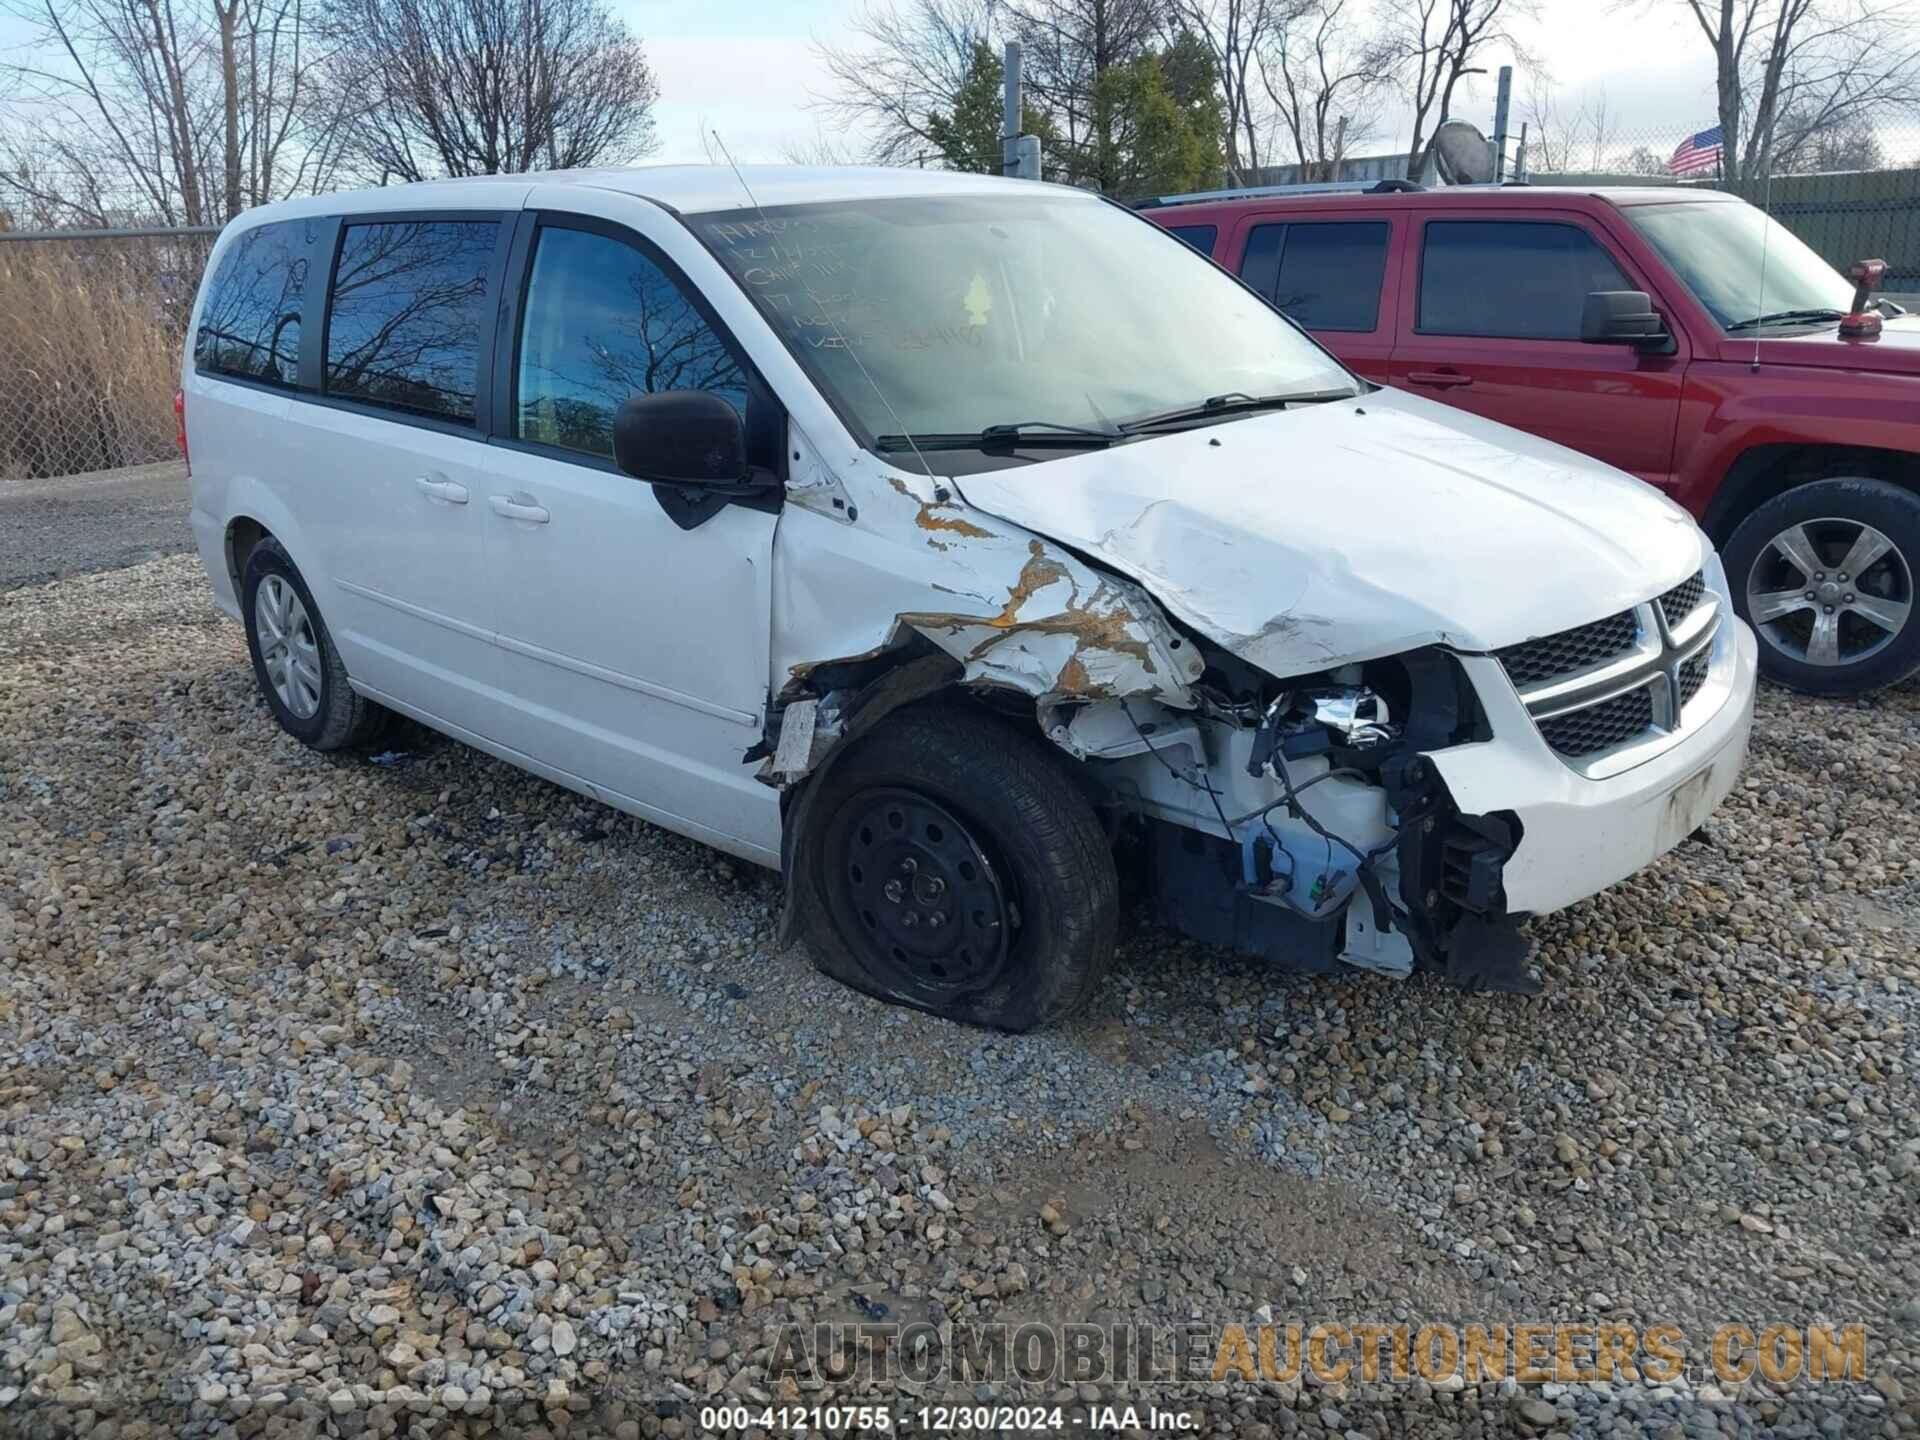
{"points": [[1439, 379]]}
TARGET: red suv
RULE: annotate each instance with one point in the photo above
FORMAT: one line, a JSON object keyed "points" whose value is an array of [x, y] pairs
{"points": [[1635, 325]]}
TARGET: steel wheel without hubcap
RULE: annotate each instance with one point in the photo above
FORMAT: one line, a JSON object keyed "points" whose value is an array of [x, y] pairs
{"points": [[1830, 592], [288, 651], [918, 894]]}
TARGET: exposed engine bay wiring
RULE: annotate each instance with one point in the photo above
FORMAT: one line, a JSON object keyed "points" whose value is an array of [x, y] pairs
{"points": [[1201, 784], [1291, 799]]}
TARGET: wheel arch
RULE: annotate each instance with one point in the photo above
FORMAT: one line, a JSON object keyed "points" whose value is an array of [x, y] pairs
{"points": [[251, 503], [1761, 472], [244, 534]]}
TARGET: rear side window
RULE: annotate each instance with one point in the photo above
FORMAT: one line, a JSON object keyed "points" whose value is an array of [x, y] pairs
{"points": [[250, 320], [1200, 237], [603, 322], [1326, 274], [407, 315], [1514, 279]]}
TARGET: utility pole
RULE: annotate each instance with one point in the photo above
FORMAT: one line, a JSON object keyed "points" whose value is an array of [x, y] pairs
{"points": [[1019, 154], [1502, 101]]}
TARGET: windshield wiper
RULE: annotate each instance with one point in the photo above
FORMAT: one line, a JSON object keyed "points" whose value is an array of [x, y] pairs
{"points": [[1782, 317], [1023, 433], [1234, 402]]}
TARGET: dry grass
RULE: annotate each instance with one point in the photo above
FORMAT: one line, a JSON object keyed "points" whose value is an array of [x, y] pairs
{"points": [[90, 337]]}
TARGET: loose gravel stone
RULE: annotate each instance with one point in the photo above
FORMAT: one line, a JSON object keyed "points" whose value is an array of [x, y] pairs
{"points": [[382, 1092]]}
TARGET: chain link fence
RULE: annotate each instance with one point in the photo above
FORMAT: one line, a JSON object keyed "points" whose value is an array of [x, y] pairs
{"points": [[1852, 194], [91, 329]]}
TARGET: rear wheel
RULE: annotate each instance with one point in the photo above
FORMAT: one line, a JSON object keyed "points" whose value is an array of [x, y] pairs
{"points": [[294, 662], [1825, 575], [953, 867]]}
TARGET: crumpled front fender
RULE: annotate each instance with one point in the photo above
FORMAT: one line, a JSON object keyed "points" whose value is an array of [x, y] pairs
{"points": [[916, 569]]}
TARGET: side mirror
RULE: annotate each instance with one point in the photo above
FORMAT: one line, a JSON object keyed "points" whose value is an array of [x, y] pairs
{"points": [[681, 437], [1623, 317]]}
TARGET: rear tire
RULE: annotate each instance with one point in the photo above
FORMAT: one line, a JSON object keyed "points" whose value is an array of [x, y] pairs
{"points": [[952, 866], [1827, 626], [295, 664]]}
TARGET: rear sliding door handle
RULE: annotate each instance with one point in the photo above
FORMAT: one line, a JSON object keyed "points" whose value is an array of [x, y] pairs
{"points": [[514, 510], [447, 490], [1439, 379]]}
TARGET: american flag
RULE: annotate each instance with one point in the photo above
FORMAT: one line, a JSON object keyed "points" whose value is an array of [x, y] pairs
{"points": [[1697, 153]]}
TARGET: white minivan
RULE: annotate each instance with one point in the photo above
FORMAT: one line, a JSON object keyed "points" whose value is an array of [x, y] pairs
{"points": [[954, 545]]}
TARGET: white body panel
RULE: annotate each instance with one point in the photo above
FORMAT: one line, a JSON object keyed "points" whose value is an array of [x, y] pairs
{"points": [[633, 652], [1580, 835], [1360, 528], [397, 518]]}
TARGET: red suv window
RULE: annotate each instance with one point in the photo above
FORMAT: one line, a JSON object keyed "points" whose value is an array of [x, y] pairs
{"points": [[1512, 279], [1200, 237], [1326, 274]]}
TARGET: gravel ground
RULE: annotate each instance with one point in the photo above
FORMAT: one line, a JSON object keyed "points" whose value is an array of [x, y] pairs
{"points": [[79, 523], [360, 1092]]}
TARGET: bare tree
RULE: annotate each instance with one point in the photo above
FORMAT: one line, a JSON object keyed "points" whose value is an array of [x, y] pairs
{"points": [[1642, 160], [1561, 140], [487, 87], [184, 111], [1788, 70], [904, 67], [1431, 46], [819, 148], [1324, 83], [1809, 149]]}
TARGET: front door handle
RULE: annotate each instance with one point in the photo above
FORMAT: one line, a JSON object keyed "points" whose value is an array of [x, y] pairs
{"points": [[1439, 379], [448, 490], [519, 510]]}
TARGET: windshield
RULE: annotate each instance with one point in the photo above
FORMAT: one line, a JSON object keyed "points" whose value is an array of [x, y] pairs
{"points": [[1715, 248], [1024, 309]]}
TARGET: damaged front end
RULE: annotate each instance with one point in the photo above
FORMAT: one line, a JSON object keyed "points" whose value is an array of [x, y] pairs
{"points": [[1301, 820], [1298, 820], [1293, 818]]}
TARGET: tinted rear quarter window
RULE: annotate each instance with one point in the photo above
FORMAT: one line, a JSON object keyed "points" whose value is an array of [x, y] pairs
{"points": [[250, 321], [1326, 274], [407, 315], [1511, 279], [1200, 237]]}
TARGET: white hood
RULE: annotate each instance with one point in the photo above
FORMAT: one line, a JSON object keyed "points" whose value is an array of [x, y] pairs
{"points": [[1359, 528]]}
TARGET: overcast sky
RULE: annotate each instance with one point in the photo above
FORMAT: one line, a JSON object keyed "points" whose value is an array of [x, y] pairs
{"points": [[747, 68]]}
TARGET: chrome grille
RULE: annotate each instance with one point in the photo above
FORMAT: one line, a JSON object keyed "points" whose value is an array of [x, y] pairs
{"points": [[1607, 694], [1693, 674], [1603, 726], [1683, 599], [1568, 651]]}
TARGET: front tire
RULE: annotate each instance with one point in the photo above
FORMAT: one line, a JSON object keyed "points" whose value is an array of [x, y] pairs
{"points": [[951, 866], [295, 664], [1825, 575]]}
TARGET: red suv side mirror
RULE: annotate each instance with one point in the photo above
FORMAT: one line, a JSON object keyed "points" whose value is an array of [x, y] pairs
{"points": [[1623, 317]]}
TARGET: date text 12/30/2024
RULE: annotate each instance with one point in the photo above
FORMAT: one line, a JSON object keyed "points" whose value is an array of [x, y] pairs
{"points": [[933, 1419]]}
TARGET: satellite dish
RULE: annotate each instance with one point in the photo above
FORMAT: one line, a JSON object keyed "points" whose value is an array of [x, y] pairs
{"points": [[1462, 154]]}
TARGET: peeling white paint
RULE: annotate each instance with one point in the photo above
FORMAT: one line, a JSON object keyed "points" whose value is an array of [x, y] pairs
{"points": [[1011, 609]]}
